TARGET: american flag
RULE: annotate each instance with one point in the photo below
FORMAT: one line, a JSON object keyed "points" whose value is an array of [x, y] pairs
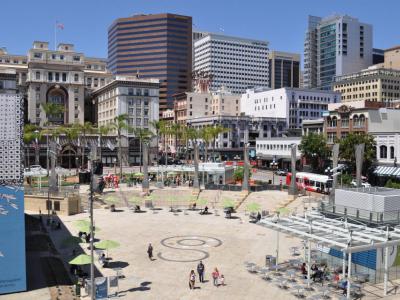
{"points": [[60, 25]]}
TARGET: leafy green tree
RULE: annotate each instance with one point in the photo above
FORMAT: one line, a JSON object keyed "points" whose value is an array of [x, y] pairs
{"points": [[215, 132], [315, 149], [239, 174], [207, 136], [348, 154]]}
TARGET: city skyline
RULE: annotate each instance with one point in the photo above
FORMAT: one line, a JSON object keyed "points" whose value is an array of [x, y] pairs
{"points": [[88, 31]]}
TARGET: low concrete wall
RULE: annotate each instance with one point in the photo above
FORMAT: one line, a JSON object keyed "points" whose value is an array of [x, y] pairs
{"points": [[64, 206]]}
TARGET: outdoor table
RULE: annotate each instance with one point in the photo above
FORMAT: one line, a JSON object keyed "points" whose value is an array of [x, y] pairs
{"points": [[294, 262], [361, 277], [276, 269], [291, 274], [118, 272], [294, 251], [282, 283], [298, 288]]}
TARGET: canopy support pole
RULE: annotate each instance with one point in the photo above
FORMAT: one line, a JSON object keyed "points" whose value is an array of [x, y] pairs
{"points": [[349, 276], [344, 266], [309, 264], [385, 277], [277, 250]]}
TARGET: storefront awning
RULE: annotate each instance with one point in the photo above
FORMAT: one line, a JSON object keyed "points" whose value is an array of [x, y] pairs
{"points": [[387, 171]]}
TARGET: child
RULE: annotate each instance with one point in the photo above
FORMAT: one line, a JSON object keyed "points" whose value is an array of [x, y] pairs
{"points": [[222, 279]]}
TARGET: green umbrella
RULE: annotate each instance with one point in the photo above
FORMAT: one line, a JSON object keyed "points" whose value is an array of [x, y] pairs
{"points": [[283, 210], [84, 226], [172, 174], [228, 203], [135, 200], [112, 199], [201, 202], [253, 207], [138, 174], [82, 259], [71, 241], [106, 245]]}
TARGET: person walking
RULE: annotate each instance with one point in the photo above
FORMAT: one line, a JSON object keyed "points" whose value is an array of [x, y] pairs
{"points": [[192, 279], [150, 251], [200, 270], [215, 276]]}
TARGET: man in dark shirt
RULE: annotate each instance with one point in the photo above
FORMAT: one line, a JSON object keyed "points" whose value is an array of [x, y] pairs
{"points": [[200, 270]]}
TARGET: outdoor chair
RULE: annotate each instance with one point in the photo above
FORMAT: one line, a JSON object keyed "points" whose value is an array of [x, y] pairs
{"points": [[298, 291], [282, 283]]}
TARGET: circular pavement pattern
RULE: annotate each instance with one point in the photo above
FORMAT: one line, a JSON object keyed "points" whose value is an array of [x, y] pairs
{"points": [[193, 248]]}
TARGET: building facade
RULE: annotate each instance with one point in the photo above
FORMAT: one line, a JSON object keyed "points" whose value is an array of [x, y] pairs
{"points": [[369, 118], [294, 105], [373, 84], [155, 46], [63, 76], [276, 150], [234, 62], [343, 45], [240, 130], [284, 69]]}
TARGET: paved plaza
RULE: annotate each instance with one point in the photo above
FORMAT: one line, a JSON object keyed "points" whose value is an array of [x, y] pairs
{"points": [[180, 241]]}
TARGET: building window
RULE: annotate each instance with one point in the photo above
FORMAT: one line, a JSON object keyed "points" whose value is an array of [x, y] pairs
{"points": [[77, 58], [383, 151], [61, 57], [146, 92], [76, 77], [64, 77], [57, 76], [130, 91], [37, 55], [391, 152], [37, 76]]}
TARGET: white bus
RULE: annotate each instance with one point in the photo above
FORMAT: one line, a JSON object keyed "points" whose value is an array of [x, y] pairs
{"points": [[311, 182]]}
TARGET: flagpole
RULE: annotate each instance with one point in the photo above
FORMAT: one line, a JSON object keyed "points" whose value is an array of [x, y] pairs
{"points": [[55, 36]]}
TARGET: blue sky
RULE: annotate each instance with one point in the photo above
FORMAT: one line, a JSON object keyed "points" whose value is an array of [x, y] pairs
{"points": [[282, 23]]}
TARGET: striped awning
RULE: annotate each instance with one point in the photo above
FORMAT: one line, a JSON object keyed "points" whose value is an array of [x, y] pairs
{"points": [[387, 171]]}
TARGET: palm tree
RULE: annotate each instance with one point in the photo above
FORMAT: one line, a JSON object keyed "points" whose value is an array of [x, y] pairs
{"points": [[120, 124], [157, 125], [102, 131], [215, 132], [144, 135], [176, 132], [84, 129], [165, 130], [206, 136], [71, 134], [50, 109], [31, 133]]}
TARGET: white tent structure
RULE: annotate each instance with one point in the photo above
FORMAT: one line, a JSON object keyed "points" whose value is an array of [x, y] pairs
{"points": [[348, 237]]}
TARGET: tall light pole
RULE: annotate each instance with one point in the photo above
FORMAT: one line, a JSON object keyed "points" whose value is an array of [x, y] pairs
{"points": [[92, 287]]}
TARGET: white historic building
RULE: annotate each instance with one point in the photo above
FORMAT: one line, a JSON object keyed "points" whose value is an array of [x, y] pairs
{"points": [[234, 62], [293, 104]]}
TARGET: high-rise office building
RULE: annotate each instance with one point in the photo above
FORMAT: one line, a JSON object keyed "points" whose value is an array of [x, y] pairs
{"points": [[335, 46], [284, 69], [153, 46], [233, 62]]}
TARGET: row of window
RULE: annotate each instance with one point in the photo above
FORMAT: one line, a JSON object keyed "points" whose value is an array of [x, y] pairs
{"points": [[383, 152]]}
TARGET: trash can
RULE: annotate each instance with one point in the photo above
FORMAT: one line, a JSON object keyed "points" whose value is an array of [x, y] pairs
{"points": [[270, 260], [84, 177]]}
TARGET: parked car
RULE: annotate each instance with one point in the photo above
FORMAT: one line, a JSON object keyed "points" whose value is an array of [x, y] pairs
{"points": [[281, 172], [363, 184], [36, 168], [170, 161]]}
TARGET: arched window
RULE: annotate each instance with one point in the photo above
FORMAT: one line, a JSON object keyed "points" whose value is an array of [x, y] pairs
{"points": [[76, 77], [391, 152], [361, 120], [355, 121], [57, 96], [383, 151]]}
